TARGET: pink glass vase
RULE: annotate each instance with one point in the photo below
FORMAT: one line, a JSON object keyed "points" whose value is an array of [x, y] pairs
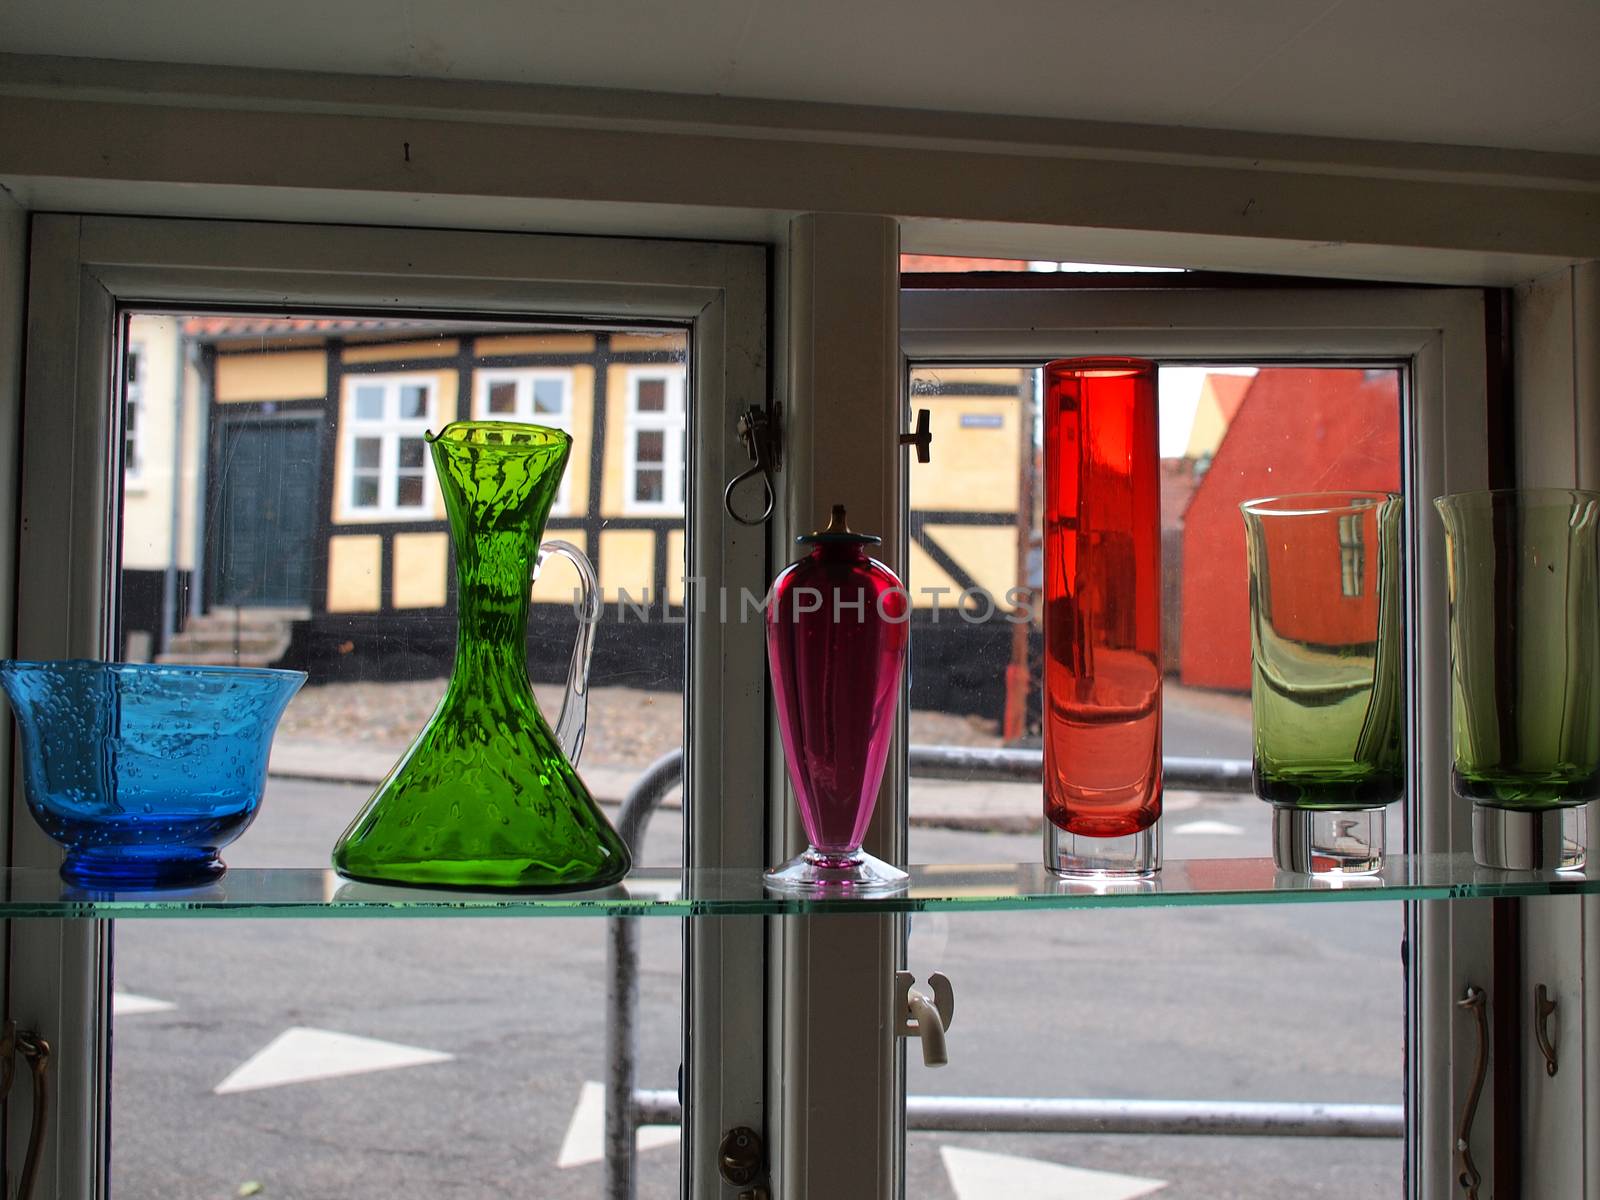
{"points": [[1102, 618], [836, 642]]}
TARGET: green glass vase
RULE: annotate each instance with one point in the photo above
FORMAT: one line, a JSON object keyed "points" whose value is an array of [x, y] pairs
{"points": [[486, 797], [1524, 579], [1327, 692]]}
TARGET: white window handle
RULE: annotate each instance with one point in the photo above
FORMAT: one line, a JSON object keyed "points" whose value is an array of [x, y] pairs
{"points": [[927, 1017]]}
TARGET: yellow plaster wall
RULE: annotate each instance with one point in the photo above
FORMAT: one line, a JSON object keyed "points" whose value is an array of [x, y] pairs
{"points": [[581, 460], [355, 573], [613, 456], [677, 566], [988, 553], [972, 470], [1209, 427], [401, 351], [657, 342], [147, 501], [421, 563], [627, 560], [258, 343], [923, 572], [533, 343], [193, 449], [285, 375], [558, 581]]}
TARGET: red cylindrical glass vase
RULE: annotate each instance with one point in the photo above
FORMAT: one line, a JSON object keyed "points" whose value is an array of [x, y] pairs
{"points": [[1102, 618], [836, 644]]}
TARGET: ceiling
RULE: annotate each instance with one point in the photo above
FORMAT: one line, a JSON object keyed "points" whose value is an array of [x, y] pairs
{"points": [[1471, 72]]}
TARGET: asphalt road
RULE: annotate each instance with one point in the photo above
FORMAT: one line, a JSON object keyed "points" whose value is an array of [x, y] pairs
{"points": [[1266, 1002]]}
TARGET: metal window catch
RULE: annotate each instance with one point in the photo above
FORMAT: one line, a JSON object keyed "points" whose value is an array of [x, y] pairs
{"points": [[922, 438], [1543, 1009], [760, 433], [35, 1051], [924, 1016], [1476, 1001], [741, 1158]]}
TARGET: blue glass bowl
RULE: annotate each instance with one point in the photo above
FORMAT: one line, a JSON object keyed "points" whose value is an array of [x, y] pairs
{"points": [[144, 772]]}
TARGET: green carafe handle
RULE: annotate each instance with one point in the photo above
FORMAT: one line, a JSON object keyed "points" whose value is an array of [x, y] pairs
{"points": [[574, 719]]}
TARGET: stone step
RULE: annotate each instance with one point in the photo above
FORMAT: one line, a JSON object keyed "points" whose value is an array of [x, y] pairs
{"points": [[208, 641], [246, 637], [218, 659], [215, 621], [269, 613]]}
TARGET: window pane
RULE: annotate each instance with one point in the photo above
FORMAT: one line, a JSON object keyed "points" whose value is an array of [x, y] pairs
{"points": [[413, 402], [362, 597], [647, 486], [548, 396], [1228, 433], [369, 403], [408, 491], [652, 395], [503, 397], [649, 446]]}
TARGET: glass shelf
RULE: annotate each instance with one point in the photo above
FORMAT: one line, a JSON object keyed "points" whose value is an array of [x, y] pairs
{"points": [[670, 892]]}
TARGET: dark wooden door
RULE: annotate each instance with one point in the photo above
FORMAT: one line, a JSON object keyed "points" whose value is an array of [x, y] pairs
{"points": [[265, 529]]}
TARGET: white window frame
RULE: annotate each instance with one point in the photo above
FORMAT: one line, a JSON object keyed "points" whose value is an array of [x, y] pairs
{"points": [[133, 402], [82, 268], [524, 380], [388, 430], [1440, 335], [670, 423]]}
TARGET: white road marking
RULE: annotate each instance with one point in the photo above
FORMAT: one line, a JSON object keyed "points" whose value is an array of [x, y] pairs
{"points": [[1220, 828], [126, 1004], [980, 1175], [653, 889], [300, 1055], [586, 1135]]}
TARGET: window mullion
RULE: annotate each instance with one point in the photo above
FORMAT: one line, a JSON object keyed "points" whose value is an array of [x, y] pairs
{"points": [[1557, 357], [837, 1061]]}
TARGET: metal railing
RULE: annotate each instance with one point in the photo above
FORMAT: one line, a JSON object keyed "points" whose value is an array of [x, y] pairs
{"points": [[628, 1107]]}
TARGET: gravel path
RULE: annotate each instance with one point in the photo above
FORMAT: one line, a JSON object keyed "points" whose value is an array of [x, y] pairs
{"points": [[627, 727]]}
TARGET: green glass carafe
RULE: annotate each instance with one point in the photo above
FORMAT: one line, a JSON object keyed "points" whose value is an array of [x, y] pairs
{"points": [[486, 797]]}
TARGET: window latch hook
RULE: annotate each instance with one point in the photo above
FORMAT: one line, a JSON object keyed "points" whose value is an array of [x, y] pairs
{"points": [[35, 1051], [759, 433], [921, 438]]}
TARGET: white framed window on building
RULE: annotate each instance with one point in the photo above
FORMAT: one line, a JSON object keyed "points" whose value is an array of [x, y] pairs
{"points": [[383, 456], [714, 296], [133, 414], [655, 435], [538, 395]]}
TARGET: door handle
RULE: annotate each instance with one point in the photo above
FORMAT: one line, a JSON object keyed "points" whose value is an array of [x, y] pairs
{"points": [[1475, 1001]]}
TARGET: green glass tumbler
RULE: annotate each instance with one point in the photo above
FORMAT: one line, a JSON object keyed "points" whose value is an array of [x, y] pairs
{"points": [[1327, 690], [487, 796], [1524, 585]]}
